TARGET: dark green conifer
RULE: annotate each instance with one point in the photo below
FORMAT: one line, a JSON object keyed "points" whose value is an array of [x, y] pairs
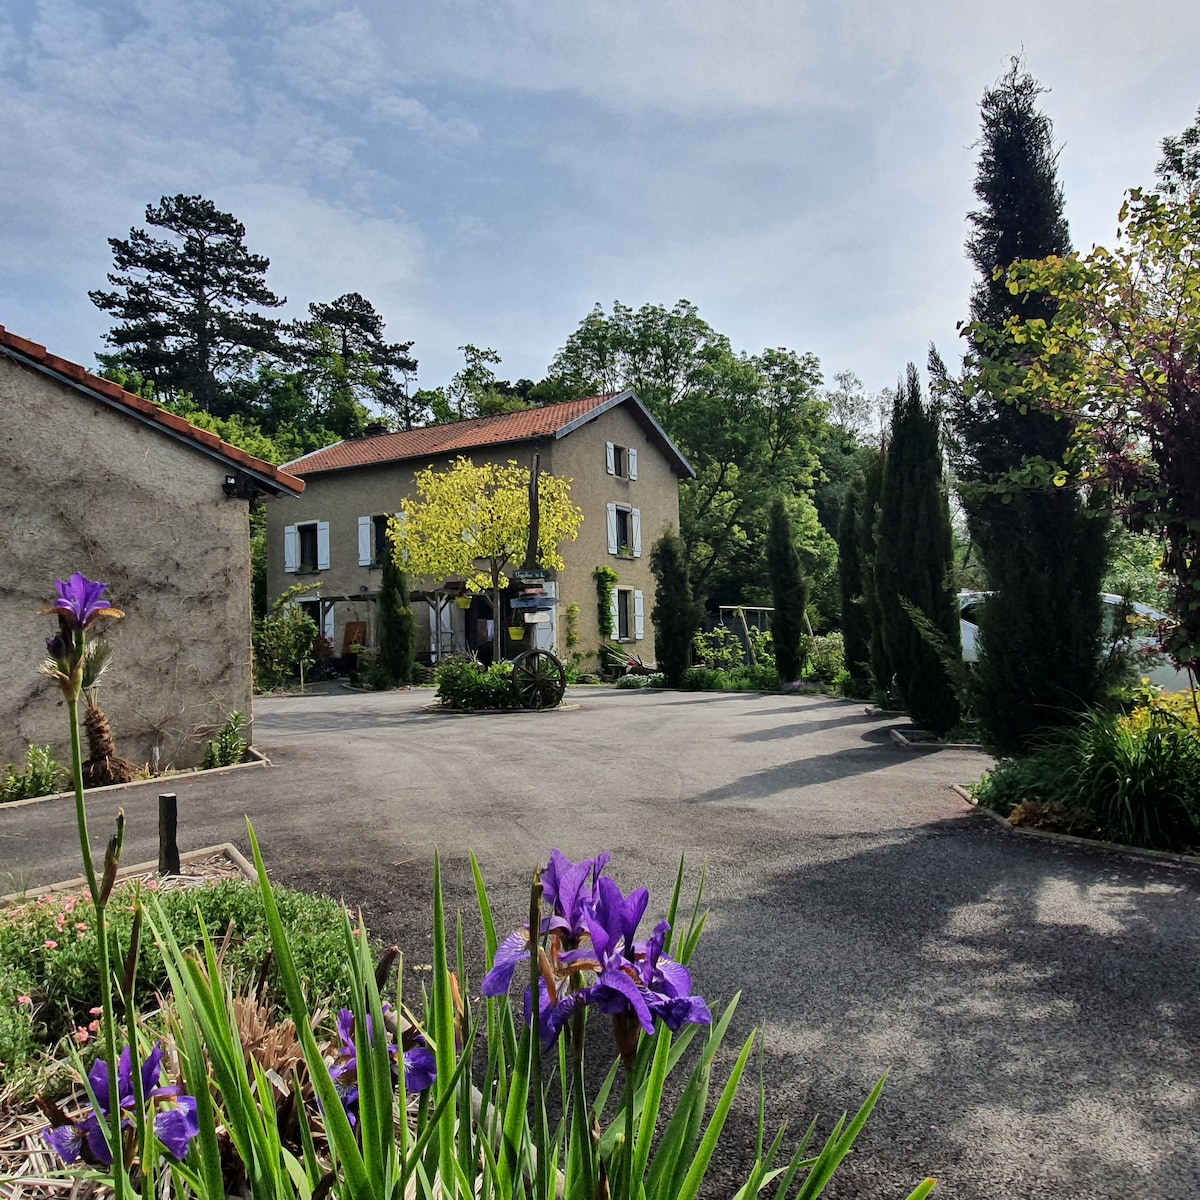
{"points": [[789, 591], [676, 615], [856, 632], [914, 559], [396, 631], [1043, 549], [868, 521]]}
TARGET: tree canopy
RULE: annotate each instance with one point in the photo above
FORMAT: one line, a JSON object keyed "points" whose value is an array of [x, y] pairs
{"points": [[187, 303]]}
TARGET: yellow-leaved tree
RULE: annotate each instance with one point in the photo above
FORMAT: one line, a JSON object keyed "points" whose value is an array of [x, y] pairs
{"points": [[472, 522]]}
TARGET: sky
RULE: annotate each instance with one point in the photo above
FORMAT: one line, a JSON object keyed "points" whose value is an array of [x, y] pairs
{"points": [[487, 171]]}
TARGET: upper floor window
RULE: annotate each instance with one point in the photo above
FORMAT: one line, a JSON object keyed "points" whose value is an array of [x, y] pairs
{"points": [[306, 547], [624, 531], [374, 545], [622, 461]]}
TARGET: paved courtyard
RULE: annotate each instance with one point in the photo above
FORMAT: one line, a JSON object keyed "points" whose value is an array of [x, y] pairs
{"points": [[1035, 1005]]}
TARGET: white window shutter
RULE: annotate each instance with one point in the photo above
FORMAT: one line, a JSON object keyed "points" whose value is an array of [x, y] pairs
{"points": [[639, 616], [364, 542], [636, 522], [612, 528], [611, 451], [616, 613], [632, 462], [322, 545], [329, 624], [291, 549]]}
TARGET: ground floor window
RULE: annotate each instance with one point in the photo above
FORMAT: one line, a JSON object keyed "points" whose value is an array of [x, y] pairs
{"points": [[623, 630]]}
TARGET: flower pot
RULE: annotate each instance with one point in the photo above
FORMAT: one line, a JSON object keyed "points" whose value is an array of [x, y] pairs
{"points": [[463, 601], [516, 632]]}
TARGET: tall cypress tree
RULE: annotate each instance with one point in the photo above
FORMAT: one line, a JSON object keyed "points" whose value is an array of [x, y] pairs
{"points": [[675, 616], [856, 633], [396, 631], [1043, 548], [868, 521], [914, 559], [789, 592]]}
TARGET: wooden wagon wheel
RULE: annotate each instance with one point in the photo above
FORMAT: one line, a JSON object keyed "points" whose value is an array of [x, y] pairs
{"points": [[539, 679]]}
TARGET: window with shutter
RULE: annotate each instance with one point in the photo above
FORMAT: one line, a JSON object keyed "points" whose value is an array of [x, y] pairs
{"points": [[291, 549], [306, 537], [364, 541], [612, 529], [632, 463], [639, 616], [635, 521], [322, 545], [611, 457]]}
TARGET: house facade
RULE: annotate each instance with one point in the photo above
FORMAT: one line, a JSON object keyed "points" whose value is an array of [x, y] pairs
{"points": [[624, 474], [98, 480]]}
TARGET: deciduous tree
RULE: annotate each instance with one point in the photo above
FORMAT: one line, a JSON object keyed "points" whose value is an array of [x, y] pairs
{"points": [[472, 522]]}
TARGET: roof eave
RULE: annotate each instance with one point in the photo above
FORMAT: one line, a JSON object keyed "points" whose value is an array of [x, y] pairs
{"points": [[265, 483], [672, 451]]}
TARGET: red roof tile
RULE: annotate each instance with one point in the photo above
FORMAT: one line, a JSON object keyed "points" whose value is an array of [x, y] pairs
{"points": [[446, 439], [149, 411]]}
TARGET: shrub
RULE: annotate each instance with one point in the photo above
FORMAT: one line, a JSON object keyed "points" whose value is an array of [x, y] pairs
{"points": [[1138, 782], [741, 679], [464, 683], [228, 747], [60, 978], [284, 642], [719, 649], [826, 658], [40, 777], [676, 615], [657, 680]]}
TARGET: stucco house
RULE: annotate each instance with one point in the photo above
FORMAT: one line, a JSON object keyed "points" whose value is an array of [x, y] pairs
{"points": [[98, 480], [624, 474]]}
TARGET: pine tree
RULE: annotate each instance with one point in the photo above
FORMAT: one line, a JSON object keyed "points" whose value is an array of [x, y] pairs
{"points": [[1043, 550], [186, 302], [397, 634], [675, 616], [914, 559], [856, 633], [789, 592]]}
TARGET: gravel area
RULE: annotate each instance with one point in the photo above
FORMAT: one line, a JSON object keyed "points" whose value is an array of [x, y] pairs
{"points": [[1034, 1005]]}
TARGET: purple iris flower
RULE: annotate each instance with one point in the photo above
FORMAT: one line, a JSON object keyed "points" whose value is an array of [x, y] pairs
{"points": [[420, 1066], [569, 889], [174, 1125], [632, 979], [80, 601]]}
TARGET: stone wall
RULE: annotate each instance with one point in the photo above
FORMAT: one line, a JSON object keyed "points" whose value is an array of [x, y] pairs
{"points": [[90, 489]]}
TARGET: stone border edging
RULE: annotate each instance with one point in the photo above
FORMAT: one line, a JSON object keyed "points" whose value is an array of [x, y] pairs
{"points": [[496, 712], [933, 744], [257, 759], [230, 851], [1070, 839]]}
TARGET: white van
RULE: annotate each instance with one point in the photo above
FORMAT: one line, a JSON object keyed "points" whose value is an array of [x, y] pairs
{"points": [[1153, 663]]}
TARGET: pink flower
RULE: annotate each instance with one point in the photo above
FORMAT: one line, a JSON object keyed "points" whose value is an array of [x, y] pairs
{"points": [[95, 1012], [24, 999], [81, 1035], [81, 926], [49, 945]]}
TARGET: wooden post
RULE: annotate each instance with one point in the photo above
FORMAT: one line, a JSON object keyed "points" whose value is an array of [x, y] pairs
{"points": [[531, 546], [168, 847]]}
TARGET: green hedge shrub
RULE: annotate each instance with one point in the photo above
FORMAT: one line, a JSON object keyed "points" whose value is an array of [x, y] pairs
{"points": [[463, 683]]}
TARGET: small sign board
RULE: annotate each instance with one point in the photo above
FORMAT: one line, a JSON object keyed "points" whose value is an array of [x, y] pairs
{"points": [[531, 574], [536, 618], [545, 602]]}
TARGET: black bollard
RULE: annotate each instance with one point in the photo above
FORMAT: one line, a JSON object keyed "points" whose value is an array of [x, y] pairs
{"points": [[168, 847]]}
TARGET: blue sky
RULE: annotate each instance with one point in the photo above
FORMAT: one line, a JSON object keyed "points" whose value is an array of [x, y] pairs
{"points": [[487, 171]]}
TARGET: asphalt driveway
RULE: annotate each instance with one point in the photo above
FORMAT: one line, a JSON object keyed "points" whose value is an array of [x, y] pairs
{"points": [[1034, 1005]]}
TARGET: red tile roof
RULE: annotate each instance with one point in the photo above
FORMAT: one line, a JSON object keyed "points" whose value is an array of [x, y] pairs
{"points": [[446, 439], [147, 411]]}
